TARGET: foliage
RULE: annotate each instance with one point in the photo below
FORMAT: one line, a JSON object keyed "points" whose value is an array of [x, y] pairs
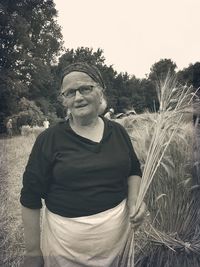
{"points": [[29, 114], [161, 69], [30, 43], [190, 75], [26, 130]]}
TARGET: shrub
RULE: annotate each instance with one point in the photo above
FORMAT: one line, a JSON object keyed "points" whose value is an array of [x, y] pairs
{"points": [[26, 130]]}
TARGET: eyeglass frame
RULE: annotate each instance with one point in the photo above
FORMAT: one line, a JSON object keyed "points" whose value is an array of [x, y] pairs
{"points": [[73, 91]]}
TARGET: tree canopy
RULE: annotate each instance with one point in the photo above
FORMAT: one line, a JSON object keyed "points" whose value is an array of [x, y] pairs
{"points": [[31, 40]]}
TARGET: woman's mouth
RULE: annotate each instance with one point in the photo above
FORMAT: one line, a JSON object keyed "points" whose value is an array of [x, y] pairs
{"points": [[81, 106]]}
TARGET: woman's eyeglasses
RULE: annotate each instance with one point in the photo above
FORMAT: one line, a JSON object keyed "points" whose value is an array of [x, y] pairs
{"points": [[83, 90]]}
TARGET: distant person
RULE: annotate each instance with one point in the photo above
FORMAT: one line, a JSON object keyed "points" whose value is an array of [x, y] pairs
{"points": [[46, 123], [9, 128], [110, 114]]}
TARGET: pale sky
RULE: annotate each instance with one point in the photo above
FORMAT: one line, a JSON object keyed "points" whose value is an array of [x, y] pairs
{"points": [[134, 34]]}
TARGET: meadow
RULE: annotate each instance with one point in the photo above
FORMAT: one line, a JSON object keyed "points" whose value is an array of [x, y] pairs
{"points": [[14, 155], [170, 234]]}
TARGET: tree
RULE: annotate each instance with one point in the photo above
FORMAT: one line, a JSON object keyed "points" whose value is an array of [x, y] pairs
{"points": [[123, 104], [161, 69], [30, 42], [81, 54], [190, 75]]}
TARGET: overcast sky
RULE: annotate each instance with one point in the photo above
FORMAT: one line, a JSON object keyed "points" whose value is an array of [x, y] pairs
{"points": [[134, 34]]}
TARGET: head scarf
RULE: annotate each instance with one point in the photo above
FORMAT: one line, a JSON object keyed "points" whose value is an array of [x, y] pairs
{"points": [[89, 69]]}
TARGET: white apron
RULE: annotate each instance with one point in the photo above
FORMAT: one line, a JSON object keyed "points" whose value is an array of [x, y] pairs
{"points": [[88, 241]]}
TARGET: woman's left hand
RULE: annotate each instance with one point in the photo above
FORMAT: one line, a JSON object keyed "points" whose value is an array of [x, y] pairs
{"points": [[137, 217]]}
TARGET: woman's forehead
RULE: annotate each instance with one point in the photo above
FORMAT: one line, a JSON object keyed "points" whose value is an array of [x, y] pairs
{"points": [[76, 78]]}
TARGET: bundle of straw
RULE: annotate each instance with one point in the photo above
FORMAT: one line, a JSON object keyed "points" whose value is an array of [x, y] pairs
{"points": [[175, 101]]}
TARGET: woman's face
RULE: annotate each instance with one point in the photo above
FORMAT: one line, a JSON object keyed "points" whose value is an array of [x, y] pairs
{"points": [[85, 102]]}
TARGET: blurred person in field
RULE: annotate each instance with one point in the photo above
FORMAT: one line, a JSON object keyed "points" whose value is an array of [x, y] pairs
{"points": [[46, 123], [88, 174], [9, 128]]}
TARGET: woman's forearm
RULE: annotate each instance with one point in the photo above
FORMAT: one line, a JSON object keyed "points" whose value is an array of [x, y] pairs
{"points": [[136, 216], [31, 223], [133, 189]]}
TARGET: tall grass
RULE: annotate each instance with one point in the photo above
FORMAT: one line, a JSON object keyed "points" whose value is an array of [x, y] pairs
{"points": [[14, 155], [166, 155], [173, 102], [172, 236]]}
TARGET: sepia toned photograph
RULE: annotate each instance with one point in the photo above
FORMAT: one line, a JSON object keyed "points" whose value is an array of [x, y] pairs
{"points": [[99, 133]]}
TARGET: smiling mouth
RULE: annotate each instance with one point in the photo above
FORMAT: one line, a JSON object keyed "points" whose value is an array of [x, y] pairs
{"points": [[81, 106]]}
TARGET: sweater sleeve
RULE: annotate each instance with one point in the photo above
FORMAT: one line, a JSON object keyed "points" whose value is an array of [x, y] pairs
{"points": [[36, 177], [135, 164]]}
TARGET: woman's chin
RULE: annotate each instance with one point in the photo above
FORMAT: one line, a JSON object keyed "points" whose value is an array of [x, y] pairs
{"points": [[82, 113]]}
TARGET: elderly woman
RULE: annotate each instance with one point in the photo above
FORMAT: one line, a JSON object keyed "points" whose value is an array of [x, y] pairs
{"points": [[88, 174]]}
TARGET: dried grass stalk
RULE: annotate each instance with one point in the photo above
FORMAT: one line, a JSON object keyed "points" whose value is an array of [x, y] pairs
{"points": [[174, 101]]}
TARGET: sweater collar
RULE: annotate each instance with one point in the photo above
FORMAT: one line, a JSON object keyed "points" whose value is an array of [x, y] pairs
{"points": [[107, 128]]}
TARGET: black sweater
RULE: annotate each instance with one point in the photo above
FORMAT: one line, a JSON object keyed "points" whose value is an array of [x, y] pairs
{"points": [[76, 176]]}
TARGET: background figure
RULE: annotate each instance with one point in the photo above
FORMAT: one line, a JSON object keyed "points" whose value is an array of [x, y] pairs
{"points": [[9, 128], [46, 123], [110, 114]]}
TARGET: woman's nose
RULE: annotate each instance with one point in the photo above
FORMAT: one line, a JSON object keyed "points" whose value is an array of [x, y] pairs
{"points": [[78, 95]]}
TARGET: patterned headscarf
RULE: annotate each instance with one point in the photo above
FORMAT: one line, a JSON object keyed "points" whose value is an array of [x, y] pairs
{"points": [[91, 70]]}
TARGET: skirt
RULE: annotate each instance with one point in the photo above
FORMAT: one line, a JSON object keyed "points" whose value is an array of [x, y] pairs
{"points": [[89, 241]]}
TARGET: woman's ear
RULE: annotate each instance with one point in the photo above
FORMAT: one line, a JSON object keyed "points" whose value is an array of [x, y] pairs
{"points": [[103, 105], [101, 96]]}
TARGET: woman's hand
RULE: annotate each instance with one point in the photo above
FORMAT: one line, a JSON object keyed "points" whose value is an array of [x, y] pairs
{"points": [[137, 217]]}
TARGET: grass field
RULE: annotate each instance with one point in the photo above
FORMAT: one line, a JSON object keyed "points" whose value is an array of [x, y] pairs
{"points": [[14, 155]]}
